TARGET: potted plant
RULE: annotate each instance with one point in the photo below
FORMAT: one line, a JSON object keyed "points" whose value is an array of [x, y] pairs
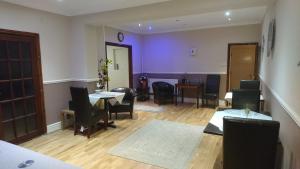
{"points": [[103, 73]]}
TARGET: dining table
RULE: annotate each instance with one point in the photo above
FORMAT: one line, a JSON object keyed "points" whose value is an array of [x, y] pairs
{"points": [[215, 125], [109, 98]]}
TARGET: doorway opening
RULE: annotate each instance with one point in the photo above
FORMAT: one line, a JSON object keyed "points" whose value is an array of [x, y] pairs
{"points": [[120, 71], [241, 64]]}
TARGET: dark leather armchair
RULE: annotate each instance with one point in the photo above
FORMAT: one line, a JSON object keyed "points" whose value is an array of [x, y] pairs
{"points": [[212, 90], [127, 102], [163, 92], [86, 115], [242, 99], [250, 84], [249, 143]]}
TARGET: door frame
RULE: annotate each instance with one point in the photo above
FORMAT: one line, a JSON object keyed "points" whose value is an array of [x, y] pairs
{"points": [[228, 60], [129, 47], [38, 81]]}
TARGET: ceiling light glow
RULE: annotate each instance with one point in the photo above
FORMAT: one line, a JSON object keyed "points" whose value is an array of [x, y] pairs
{"points": [[140, 25], [150, 28], [227, 13], [229, 19]]}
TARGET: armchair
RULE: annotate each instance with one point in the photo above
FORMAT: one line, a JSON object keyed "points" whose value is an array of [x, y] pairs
{"points": [[163, 92], [127, 102]]}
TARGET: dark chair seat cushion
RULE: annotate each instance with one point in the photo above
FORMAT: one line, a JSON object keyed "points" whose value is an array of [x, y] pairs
{"points": [[210, 95]]}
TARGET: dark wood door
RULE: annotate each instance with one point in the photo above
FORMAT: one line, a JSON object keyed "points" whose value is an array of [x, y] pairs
{"points": [[21, 93]]}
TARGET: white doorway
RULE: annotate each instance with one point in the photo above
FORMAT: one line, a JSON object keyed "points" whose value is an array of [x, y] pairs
{"points": [[119, 72]]}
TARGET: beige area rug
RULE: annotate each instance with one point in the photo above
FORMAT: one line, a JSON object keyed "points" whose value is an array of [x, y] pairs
{"points": [[148, 108], [165, 144]]}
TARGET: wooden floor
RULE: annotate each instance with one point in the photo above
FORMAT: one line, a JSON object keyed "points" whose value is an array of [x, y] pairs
{"points": [[92, 153]]}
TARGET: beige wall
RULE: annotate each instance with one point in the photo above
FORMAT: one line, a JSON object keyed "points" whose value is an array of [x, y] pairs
{"points": [[169, 52], [280, 74], [54, 36]]}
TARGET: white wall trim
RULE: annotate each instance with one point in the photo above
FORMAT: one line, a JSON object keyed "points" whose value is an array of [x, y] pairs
{"points": [[185, 73], [53, 127], [292, 113], [57, 81], [69, 80]]}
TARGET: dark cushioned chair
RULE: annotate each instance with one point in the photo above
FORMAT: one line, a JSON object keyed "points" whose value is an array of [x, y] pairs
{"points": [[212, 89], [163, 92], [242, 99], [249, 143], [250, 84], [127, 102], [86, 115]]}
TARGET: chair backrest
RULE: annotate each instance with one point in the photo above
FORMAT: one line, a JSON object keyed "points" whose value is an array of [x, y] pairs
{"points": [[129, 93], [212, 84], [249, 143], [162, 86], [242, 99], [81, 104], [250, 84]]}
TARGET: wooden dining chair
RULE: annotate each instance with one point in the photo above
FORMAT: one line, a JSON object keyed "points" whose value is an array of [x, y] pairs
{"points": [[86, 115], [243, 99], [249, 143]]}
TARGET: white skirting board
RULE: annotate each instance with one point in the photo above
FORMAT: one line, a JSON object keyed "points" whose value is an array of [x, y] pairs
{"points": [[54, 127], [193, 100]]}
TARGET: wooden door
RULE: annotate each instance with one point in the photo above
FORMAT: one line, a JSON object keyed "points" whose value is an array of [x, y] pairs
{"points": [[242, 64], [22, 114]]}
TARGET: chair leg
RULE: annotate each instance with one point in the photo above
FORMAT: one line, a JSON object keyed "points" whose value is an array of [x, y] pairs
{"points": [[75, 129], [88, 132], [131, 115]]}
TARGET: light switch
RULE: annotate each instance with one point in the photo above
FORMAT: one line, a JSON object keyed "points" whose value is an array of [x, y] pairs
{"points": [[193, 51]]}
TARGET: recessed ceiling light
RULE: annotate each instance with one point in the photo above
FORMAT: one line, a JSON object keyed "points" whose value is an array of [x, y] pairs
{"points": [[140, 25], [229, 19], [227, 13]]}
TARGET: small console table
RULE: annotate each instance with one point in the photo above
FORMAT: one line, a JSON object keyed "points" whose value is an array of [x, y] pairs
{"points": [[197, 87]]}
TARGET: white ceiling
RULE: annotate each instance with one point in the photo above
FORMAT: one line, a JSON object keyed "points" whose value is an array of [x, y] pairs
{"points": [[243, 16], [80, 7]]}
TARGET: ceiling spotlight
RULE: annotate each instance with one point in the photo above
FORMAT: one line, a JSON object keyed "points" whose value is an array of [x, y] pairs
{"points": [[229, 19], [140, 25], [227, 13]]}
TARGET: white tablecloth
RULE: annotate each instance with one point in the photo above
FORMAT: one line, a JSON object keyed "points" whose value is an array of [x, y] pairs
{"points": [[228, 97], [114, 97], [11, 156], [217, 119]]}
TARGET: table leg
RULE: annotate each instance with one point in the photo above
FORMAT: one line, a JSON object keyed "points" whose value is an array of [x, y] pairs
{"points": [[198, 93], [176, 93], [182, 96]]}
